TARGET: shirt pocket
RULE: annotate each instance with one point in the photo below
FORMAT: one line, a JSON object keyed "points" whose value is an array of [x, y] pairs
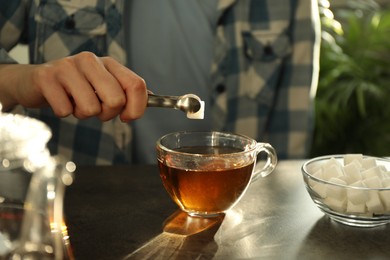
{"points": [[264, 57], [65, 28]]}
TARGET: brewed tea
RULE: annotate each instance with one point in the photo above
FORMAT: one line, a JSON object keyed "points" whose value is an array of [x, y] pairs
{"points": [[212, 187]]}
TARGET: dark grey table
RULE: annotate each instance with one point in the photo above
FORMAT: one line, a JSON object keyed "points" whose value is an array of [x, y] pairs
{"points": [[123, 212]]}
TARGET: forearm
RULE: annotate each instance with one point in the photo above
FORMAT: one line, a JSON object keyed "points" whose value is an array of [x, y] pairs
{"points": [[15, 87], [7, 99]]}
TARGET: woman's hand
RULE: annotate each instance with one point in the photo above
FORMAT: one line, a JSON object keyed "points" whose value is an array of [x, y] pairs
{"points": [[83, 85]]}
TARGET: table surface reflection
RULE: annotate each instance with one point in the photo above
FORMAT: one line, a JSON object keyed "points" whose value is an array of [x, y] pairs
{"points": [[123, 212]]}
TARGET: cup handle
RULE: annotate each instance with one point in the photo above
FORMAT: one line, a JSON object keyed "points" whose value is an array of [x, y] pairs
{"points": [[270, 163]]}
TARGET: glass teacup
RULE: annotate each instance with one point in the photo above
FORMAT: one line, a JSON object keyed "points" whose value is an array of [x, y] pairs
{"points": [[207, 173]]}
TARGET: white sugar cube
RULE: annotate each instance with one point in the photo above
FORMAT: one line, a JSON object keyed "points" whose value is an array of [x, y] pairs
{"points": [[199, 114], [359, 183], [357, 196], [386, 183], [331, 171], [356, 208], [312, 168], [373, 172], [384, 196], [368, 163], [332, 161], [335, 204], [352, 170], [374, 203], [336, 191], [347, 179], [313, 183], [320, 189], [337, 180], [373, 182], [348, 158], [319, 174]]}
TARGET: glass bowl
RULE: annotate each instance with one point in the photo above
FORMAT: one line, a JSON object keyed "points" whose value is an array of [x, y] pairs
{"points": [[361, 199]]}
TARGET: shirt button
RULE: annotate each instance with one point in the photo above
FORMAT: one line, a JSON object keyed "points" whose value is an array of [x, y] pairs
{"points": [[70, 23], [268, 51], [220, 88]]}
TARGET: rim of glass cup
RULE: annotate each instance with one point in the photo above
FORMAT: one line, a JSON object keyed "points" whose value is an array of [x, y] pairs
{"points": [[340, 156], [248, 148]]}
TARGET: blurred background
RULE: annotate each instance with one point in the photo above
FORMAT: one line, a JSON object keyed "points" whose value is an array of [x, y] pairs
{"points": [[352, 106]]}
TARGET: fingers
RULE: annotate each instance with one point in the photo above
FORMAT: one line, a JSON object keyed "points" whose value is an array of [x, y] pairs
{"points": [[44, 82], [80, 92], [66, 89], [85, 86], [134, 88], [102, 84]]}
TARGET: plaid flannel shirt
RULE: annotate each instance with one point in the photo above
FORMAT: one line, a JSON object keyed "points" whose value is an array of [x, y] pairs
{"points": [[264, 72]]}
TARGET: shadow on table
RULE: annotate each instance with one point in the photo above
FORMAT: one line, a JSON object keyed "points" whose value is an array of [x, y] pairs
{"points": [[330, 239], [183, 237]]}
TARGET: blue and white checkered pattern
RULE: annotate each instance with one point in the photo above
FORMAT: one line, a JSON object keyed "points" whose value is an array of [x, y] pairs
{"points": [[264, 72], [267, 65]]}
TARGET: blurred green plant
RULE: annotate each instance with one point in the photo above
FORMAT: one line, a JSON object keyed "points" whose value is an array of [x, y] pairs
{"points": [[352, 105]]}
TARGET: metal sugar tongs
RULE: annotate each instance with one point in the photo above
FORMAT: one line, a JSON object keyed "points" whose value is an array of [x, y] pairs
{"points": [[189, 104]]}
